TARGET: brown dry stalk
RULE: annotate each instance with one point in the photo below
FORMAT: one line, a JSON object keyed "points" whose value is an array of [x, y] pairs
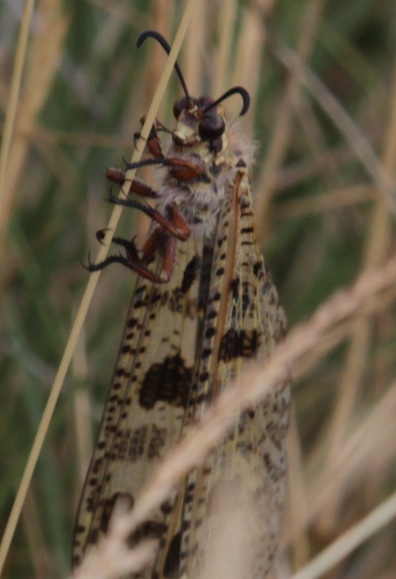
{"points": [[377, 246], [300, 351], [43, 65], [358, 142], [284, 112]]}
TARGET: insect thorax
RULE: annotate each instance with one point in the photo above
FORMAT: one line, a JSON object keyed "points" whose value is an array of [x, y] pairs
{"points": [[200, 199]]}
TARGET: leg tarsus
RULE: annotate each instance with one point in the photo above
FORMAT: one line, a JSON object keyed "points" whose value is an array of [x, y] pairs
{"points": [[100, 235], [129, 245], [159, 240], [137, 267]]}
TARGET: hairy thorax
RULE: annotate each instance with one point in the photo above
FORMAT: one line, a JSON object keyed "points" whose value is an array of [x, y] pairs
{"points": [[200, 199]]}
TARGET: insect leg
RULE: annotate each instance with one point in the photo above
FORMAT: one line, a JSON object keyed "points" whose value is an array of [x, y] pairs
{"points": [[131, 260], [159, 240], [181, 169], [162, 239], [153, 142], [175, 224], [137, 186]]}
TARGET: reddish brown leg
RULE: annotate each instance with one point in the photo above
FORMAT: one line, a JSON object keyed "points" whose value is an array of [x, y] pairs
{"points": [[174, 223], [184, 170], [153, 142], [180, 228], [172, 226], [134, 265], [132, 261], [137, 186], [181, 169], [168, 259], [160, 240]]}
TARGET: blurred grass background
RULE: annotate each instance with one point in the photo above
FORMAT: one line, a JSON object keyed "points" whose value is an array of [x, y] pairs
{"points": [[321, 217]]}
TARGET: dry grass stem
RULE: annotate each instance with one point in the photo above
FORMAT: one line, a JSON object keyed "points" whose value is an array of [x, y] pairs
{"points": [[283, 121], [335, 199], [112, 559], [228, 9], [298, 498], [376, 250], [357, 141], [43, 66], [9, 125], [367, 447], [352, 539]]}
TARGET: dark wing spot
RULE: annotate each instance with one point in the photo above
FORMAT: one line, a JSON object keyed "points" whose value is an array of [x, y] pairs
{"points": [[242, 344], [190, 274], [245, 299], [148, 530], [156, 296], [234, 288], [143, 441], [168, 382]]}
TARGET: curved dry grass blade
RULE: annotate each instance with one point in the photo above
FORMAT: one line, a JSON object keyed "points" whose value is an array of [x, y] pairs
{"points": [[113, 559], [283, 121], [350, 540], [38, 80], [377, 247], [357, 141], [9, 123]]}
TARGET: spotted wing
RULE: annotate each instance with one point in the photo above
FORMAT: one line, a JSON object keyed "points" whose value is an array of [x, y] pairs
{"points": [[146, 404], [183, 343], [243, 321]]}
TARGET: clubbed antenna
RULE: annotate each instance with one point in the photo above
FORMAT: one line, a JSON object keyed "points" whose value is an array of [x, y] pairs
{"points": [[236, 90], [165, 45]]}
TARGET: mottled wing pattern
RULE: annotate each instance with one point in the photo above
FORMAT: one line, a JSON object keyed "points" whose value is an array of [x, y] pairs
{"points": [[146, 405], [243, 322], [184, 341]]}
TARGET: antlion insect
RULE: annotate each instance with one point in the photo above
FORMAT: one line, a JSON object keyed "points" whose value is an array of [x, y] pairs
{"points": [[203, 307]]}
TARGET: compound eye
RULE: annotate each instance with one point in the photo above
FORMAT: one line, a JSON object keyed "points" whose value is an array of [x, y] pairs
{"points": [[180, 105], [211, 127]]}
